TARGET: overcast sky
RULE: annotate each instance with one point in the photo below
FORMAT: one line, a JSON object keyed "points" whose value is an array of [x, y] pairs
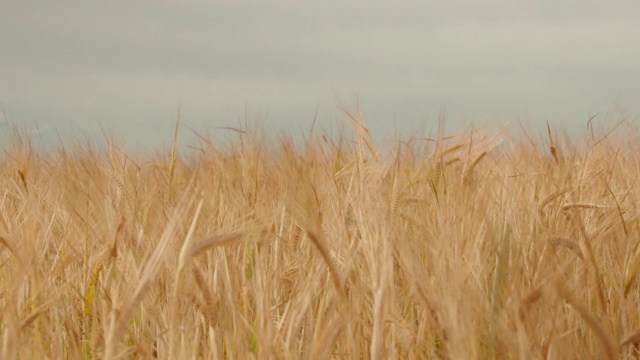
{"points": [[128, 65]]}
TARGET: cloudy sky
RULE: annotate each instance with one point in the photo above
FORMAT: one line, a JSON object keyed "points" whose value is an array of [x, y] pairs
{"points": [[126, 66]]}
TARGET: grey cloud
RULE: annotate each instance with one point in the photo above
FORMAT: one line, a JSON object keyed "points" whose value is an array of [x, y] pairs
{"points": [[130, 64]]}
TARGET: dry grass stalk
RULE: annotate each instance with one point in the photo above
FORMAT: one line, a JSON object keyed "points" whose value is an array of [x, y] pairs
{"points": [[583, 206], [100, 258], [186, 252], [320, 244], [551, 197], [567, 243], [608, 344], [120, 316], [552, 148], [383, 275], [587, 251], [632, 274], [469, 171], [211, 242], [529, 300], [209, 300], [499, 279], [631, 339]]}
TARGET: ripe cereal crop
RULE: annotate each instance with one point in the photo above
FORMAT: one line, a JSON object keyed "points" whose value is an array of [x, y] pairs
{"points": [[469, 246]]}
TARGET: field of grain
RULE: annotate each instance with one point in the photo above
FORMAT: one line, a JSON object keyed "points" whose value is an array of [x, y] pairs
{"points": [[474, 246]]}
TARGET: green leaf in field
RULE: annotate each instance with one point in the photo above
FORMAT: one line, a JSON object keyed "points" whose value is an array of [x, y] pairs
{"points": [[253, 344], [89, 293]]}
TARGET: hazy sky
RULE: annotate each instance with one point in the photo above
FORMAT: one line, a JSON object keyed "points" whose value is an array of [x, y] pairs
{"points": [[128, 65]]}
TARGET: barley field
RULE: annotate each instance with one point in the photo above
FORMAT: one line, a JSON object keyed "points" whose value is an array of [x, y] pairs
{"points": [[470, 246]]}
